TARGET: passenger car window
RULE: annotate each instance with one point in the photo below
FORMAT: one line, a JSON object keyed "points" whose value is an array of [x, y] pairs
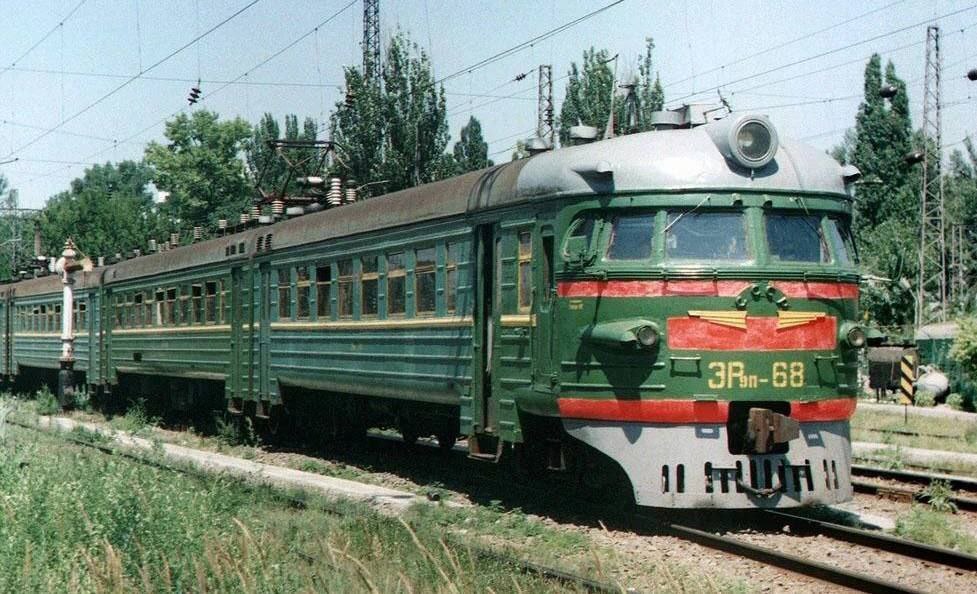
{"points": [[706, 236], [323, 280], [796, 238], [396, 284], [302, 288], [345, 269], [370, 282], [284, 294], [631, 237], [424, 278]]}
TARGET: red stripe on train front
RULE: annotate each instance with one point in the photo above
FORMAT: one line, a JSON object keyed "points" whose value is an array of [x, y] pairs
{"points": [[761, 334], [823, 410], [686, 412], [707, 288]]}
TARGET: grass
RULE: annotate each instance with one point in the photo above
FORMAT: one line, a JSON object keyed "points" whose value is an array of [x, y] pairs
{"points": [[76, 520], [926, 525], [110, 524], [136, 420], [955, 435]]}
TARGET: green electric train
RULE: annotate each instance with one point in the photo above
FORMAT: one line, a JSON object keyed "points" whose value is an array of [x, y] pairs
{"points": [[672, 311]]}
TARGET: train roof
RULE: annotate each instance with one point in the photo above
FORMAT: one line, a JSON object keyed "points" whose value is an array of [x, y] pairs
{"points": [[664, 160]]}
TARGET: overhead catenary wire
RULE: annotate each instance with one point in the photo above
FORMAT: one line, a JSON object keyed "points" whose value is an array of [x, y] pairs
{"points": [[819, 55], [130, 80], [784, 44], [162, 120], [44, 37], [526, 44]]}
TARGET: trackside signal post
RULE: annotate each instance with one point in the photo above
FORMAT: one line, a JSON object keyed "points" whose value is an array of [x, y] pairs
{"points": [[66, 375]]}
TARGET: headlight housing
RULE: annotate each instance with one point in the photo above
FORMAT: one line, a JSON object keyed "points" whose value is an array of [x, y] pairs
{"points": [[748, 140], [647, 336], [854, 335]]}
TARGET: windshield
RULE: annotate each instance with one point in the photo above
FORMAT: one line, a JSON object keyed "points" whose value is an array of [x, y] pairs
{"points": [[841, 241], [631, 237], [706, 236], [796, 238]]}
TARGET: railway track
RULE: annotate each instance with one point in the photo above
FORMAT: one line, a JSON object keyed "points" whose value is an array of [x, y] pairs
{"points": [[821, 571], [966, 488]]}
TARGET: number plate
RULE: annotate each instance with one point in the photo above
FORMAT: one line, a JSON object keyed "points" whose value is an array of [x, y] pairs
{"points": [[733, 374]]}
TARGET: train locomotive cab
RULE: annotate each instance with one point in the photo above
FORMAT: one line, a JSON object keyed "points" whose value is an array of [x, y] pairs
{"points": [[706, 319]]}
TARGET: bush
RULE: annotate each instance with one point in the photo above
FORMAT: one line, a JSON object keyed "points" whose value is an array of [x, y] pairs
{"points": [[924, 398], [964, 349], [47, 403], [955, 401]]}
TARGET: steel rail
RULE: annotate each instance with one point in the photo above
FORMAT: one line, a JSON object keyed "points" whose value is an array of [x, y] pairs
{"points": [[957, 483], [881, 489], [815, 569], [553, 574], [884, 542]]}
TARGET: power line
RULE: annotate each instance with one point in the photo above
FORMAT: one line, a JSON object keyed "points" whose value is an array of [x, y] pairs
{"points": [[214, 92], [827, 53], [44, 37], [848, 63], [87, 108], [786, 43], [176, 79], [526, 44]]}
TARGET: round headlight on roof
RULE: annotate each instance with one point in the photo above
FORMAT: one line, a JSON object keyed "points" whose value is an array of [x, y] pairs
{"points": [[752, 141]]}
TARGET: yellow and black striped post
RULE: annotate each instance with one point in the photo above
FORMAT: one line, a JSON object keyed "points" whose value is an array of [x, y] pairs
{"points": [[907, 375]]}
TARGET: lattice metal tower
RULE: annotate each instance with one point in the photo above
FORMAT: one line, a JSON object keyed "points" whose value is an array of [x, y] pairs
{"points": [[544, 106], [931, 301], [371, 40], [959, 261]]}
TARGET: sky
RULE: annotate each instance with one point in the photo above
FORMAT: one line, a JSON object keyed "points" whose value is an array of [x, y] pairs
{"points": [[88, 81]]}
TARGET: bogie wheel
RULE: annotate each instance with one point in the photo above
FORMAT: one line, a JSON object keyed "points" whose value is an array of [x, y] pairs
{"points": [[446, 440], [408, 435]]}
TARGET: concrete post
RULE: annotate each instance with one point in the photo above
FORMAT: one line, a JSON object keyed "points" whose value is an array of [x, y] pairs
{"points": [[66, 376]]}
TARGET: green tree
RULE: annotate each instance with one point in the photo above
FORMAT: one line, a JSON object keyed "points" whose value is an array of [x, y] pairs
{"points": [[358, 128], [886, 218], [107, 210], [395, 133], [416, 134], [266, 164], [960, 193], [883, 138], [202, 169], [651, 95], [588, 94], [16, 230], [471, 151]]}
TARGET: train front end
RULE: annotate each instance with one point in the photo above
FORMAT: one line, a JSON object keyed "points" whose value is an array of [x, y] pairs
{"points": [[707, 317]]}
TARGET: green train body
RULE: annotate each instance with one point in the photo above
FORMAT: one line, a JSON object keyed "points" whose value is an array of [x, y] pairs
{"points": [[651, 309]]}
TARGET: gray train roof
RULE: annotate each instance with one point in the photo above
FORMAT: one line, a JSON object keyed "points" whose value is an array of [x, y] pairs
{"points": [[686, 159]]}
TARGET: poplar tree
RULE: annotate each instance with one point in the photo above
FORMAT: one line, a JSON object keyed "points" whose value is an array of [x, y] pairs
{"points": [[883, 138], [886, 218], [393, 134], [651, 96], [471, 151], [588, 94]]}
